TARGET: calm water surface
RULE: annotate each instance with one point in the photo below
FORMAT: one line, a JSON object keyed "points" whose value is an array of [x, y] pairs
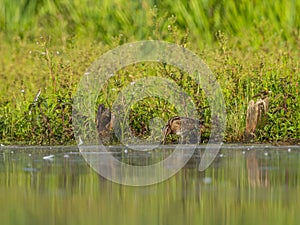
{"points": [[245, 185]]}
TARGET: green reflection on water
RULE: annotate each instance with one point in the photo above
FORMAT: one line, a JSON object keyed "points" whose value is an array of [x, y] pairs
{"points": [[257, 186]]}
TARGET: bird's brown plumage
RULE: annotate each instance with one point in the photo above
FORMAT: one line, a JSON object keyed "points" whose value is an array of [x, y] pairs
{"points": [[104, 121], [182, 126]]}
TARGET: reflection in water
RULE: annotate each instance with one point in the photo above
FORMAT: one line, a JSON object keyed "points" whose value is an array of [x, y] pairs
{"points": [[256, 175], [256, 186]]}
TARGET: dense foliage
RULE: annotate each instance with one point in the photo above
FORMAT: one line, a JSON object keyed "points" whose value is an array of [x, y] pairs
{"points": [[46, 46]]}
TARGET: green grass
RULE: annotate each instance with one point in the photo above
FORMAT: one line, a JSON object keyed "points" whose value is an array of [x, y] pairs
{"points": [[48, 45]]}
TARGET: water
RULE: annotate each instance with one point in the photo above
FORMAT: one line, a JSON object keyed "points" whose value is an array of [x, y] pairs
{"points": [[244, 185]]}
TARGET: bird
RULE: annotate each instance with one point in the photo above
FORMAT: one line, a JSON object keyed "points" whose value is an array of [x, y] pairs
{"points": [[256, 113], [104, 121], [184, 127]]}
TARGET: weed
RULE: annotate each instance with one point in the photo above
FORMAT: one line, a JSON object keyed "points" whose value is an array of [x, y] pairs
{"points": [[47, 46]]}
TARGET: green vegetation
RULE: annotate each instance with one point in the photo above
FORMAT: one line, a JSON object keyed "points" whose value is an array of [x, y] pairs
{"points": [[46, 46]]}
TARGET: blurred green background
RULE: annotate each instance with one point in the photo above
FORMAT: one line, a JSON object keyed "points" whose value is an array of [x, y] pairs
{"points": [[139, 20]]}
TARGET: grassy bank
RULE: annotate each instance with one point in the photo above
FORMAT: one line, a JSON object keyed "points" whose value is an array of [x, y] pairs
{"points": [[47, 46]]}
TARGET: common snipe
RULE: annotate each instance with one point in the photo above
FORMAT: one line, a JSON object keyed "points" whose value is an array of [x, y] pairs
{"points": [[104, 121], [256, 114], [187, 128]]}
